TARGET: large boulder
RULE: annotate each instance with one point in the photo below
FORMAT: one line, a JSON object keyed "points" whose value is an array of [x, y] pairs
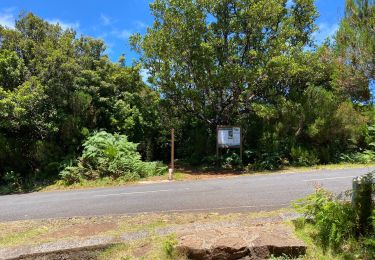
{"points": [[257, 242]]}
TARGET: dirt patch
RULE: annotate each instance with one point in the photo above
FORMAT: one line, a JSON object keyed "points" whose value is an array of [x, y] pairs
{"points": [[142, 250], [83, 230]]}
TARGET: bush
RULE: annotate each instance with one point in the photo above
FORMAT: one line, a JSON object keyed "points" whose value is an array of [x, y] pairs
{"points": [[12, 182], [303, 157], [268, 161], [71, 174], [105, 154], [231, 160], [338, 223], [367, 156], [333, 218]]}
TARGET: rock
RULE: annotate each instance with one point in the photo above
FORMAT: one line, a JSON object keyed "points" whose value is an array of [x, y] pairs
{"points": [[256, 242]]}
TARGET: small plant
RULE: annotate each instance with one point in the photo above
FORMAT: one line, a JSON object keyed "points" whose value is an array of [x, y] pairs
{"points": [[283, 257], [169, 247]]}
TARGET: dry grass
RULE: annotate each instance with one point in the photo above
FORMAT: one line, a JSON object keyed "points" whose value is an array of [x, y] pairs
{"points": [[33, 232]]}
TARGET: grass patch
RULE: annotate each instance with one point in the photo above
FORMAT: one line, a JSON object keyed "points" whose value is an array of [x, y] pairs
{"points": [[21, 237], [334, 229], [34, 232], [307, 233], [155, 247], [351, 249]]}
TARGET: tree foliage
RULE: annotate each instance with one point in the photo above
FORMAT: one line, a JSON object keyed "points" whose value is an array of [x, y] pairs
{"points": [[251, 63], [56, 88], [356, 49]]}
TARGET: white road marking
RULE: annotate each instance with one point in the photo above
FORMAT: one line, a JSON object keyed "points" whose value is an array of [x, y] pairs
{"points": [[135, 192], [332, 178]]}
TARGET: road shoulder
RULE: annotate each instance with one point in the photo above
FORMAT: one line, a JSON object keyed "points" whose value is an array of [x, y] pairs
{"points": [[105, 235]]}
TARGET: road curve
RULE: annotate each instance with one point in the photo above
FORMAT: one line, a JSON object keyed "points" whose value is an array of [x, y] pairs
{"points": [[233, 194]]}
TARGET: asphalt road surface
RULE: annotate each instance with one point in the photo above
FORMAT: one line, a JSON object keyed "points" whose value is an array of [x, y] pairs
{"points": [[233, 194]]}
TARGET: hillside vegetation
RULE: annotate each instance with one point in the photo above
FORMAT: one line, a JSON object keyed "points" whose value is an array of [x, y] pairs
{"points": [[241, 62]]}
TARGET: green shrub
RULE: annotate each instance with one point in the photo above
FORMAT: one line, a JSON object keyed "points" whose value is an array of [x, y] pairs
{"points": [[338, 224], [212, 161], [12, 182], [71, 174], [112, 155], [268, 161], [232, 160], [169, 247], [367, 156], [229, 160], [334, 219], [303, 157]]}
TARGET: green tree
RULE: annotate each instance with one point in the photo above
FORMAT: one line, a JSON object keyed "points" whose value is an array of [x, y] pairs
{"points": [[246, 62], [355, 41], [209, 57], [57, 88]]}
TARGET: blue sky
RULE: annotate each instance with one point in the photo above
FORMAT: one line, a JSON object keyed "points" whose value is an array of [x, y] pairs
{"points": [[115, 20]]}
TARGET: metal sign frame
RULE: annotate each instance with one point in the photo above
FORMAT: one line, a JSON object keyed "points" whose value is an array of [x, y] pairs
{"points": [[218, 146]]}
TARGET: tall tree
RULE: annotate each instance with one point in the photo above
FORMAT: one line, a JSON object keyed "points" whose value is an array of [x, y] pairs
{"points": [[56, 88], [356, 49], [209, 57]]}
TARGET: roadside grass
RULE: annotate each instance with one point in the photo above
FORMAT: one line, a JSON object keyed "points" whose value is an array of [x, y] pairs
{"points": [[184, 175], [10, 237], [104, 182], [307, 232], [35, 232], [154, 247]]}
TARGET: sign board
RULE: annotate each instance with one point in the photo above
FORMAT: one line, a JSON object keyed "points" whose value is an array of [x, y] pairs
{"points": [[228, 137]]}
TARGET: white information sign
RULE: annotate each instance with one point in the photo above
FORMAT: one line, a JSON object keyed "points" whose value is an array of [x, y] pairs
{"points": [[228, 137]]}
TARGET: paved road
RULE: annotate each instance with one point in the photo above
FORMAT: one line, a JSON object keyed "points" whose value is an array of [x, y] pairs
{"points": [[243, 193]]}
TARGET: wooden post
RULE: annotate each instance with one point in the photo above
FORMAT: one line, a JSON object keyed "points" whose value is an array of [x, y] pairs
{"points": [[241, 149], [170, 172], [217, 147], [217, 141]]}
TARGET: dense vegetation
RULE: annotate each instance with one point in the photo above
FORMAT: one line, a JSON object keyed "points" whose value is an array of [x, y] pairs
{"points": [[340, 228], [241, 62], [56, 89]]}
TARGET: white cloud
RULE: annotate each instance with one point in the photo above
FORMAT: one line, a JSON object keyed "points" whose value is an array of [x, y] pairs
{"points": [[140, 24], [122, 34], [109, 47], [64, 25], [325, 30], [105, 19], [7, 18]]}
